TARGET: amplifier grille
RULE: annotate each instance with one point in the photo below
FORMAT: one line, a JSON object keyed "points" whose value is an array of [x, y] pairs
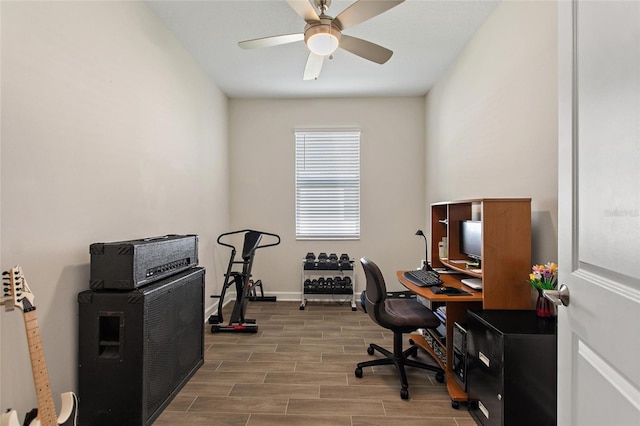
{"points": [[174, 342]]}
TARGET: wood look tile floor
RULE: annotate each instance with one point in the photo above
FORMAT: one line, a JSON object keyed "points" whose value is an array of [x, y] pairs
{"points": [[298, 369]]}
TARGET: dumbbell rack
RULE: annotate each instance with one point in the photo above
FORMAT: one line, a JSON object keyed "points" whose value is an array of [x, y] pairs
{"points": [[338, 280]]}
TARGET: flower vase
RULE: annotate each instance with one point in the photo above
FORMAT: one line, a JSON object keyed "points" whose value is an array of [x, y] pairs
{"points": [[544, 307]]}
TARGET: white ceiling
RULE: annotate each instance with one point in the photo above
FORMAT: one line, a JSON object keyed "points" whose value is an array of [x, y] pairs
{"points": [[425, 36]]}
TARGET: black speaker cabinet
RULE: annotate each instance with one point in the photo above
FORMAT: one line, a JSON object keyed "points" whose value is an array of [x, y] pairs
{"points": [[138, 348]]}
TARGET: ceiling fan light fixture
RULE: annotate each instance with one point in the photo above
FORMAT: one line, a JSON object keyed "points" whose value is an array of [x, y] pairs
{"points": [[322, 39]]}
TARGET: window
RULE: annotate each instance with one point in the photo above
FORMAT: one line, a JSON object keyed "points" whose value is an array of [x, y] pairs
{"points": [[328, 184]]}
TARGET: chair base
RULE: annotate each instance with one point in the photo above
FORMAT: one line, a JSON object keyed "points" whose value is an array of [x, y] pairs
{"points": [[400, 359]]}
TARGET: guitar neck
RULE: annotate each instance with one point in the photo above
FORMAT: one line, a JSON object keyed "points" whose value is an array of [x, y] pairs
{"points": [[46, 408]]}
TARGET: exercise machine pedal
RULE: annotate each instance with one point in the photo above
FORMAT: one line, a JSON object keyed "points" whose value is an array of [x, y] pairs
{"points": [[237, 328]]}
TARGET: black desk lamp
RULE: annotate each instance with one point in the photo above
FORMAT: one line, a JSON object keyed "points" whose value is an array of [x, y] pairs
{"points": [[426, 250]]}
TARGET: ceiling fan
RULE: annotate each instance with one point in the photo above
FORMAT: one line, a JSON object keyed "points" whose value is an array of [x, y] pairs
{"points": [[323, 33]]}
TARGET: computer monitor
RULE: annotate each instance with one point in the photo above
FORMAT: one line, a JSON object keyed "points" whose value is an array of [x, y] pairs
{"points": [[471, 238]]}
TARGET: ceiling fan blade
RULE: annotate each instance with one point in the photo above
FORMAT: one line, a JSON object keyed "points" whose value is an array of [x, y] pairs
{"points": [[365, 49], [313, 67], [362, 10], [271, 41], [304, 9]]}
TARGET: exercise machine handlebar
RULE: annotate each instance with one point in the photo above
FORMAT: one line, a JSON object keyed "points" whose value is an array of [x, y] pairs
{"points": [[271, 244]]}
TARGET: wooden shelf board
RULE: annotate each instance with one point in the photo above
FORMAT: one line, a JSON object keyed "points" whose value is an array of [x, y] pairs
{"points": [[451, 265], [455, 391], [418, 340]]}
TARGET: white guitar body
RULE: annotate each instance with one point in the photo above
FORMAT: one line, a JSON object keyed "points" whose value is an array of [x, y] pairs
{"points": [[16, 285], [68, 411], [10, 418]]}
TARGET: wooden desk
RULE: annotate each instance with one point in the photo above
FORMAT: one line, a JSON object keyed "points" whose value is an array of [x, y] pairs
{"points": [[456, 311]]}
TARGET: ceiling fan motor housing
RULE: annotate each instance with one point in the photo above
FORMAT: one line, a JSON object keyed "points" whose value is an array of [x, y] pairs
{"points": [[323, 27]]}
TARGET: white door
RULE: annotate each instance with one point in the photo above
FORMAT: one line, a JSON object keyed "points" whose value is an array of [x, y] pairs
{"points": [[599, 212]]}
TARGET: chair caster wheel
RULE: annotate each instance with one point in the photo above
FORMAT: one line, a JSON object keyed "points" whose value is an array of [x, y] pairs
{"points": [[455, 404], [353, 308], [370, 350], [404, 393], [440, 378], [358, 372], [301, 308]]}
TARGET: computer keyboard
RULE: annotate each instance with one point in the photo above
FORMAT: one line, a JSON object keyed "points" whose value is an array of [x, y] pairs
{"points": [[423, 278]]}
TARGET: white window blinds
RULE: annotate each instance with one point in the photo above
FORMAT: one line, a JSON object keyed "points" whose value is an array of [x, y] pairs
{"points": [[328, 184]]}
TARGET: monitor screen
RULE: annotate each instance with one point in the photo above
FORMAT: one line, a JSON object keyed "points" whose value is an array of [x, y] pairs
{"points": [[471, 238]]}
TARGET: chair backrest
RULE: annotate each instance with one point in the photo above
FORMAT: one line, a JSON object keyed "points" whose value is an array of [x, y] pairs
{"points": [[376, 288]]}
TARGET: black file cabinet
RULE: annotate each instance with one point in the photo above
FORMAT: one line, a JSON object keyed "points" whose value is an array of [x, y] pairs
{"points": [[512, 368]]}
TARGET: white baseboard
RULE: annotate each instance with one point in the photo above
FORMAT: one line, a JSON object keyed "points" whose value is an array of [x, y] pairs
{"points": [[213, 309], [285, 296], [313, 297]]}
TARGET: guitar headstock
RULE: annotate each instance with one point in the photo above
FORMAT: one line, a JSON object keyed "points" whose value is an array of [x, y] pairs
{"points": [[15, 288]]}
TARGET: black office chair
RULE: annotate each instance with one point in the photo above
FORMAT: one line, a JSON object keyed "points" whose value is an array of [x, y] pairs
{"points": [[400, 316]]}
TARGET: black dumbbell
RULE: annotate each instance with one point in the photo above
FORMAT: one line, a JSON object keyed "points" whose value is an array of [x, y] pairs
{"points": [[322, 261], [310, 261]]}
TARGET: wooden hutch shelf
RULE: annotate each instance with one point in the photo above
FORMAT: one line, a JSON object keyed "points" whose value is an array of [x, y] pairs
{"points": [[506, 246], [505, 266]]}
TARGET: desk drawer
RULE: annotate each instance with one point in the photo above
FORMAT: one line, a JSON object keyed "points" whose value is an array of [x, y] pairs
{"points": [[486, 393], [505, 386], [485, 346]]}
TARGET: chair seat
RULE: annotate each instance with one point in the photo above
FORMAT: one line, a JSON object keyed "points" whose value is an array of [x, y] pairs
{"points": [[406, 315]]}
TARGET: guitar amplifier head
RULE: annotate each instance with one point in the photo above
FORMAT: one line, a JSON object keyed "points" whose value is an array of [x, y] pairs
{"points": [[127, 265]]}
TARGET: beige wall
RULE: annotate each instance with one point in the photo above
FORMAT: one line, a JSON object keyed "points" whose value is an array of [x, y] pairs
{"points": [[491, 120], [392, 181], [110, 131]]}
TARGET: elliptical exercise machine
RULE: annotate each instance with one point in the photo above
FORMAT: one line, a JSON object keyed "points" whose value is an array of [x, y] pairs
{"points": [[245, 286]]}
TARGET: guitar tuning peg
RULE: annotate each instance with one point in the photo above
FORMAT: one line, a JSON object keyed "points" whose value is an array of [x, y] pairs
{"points": [[5, 272]]}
